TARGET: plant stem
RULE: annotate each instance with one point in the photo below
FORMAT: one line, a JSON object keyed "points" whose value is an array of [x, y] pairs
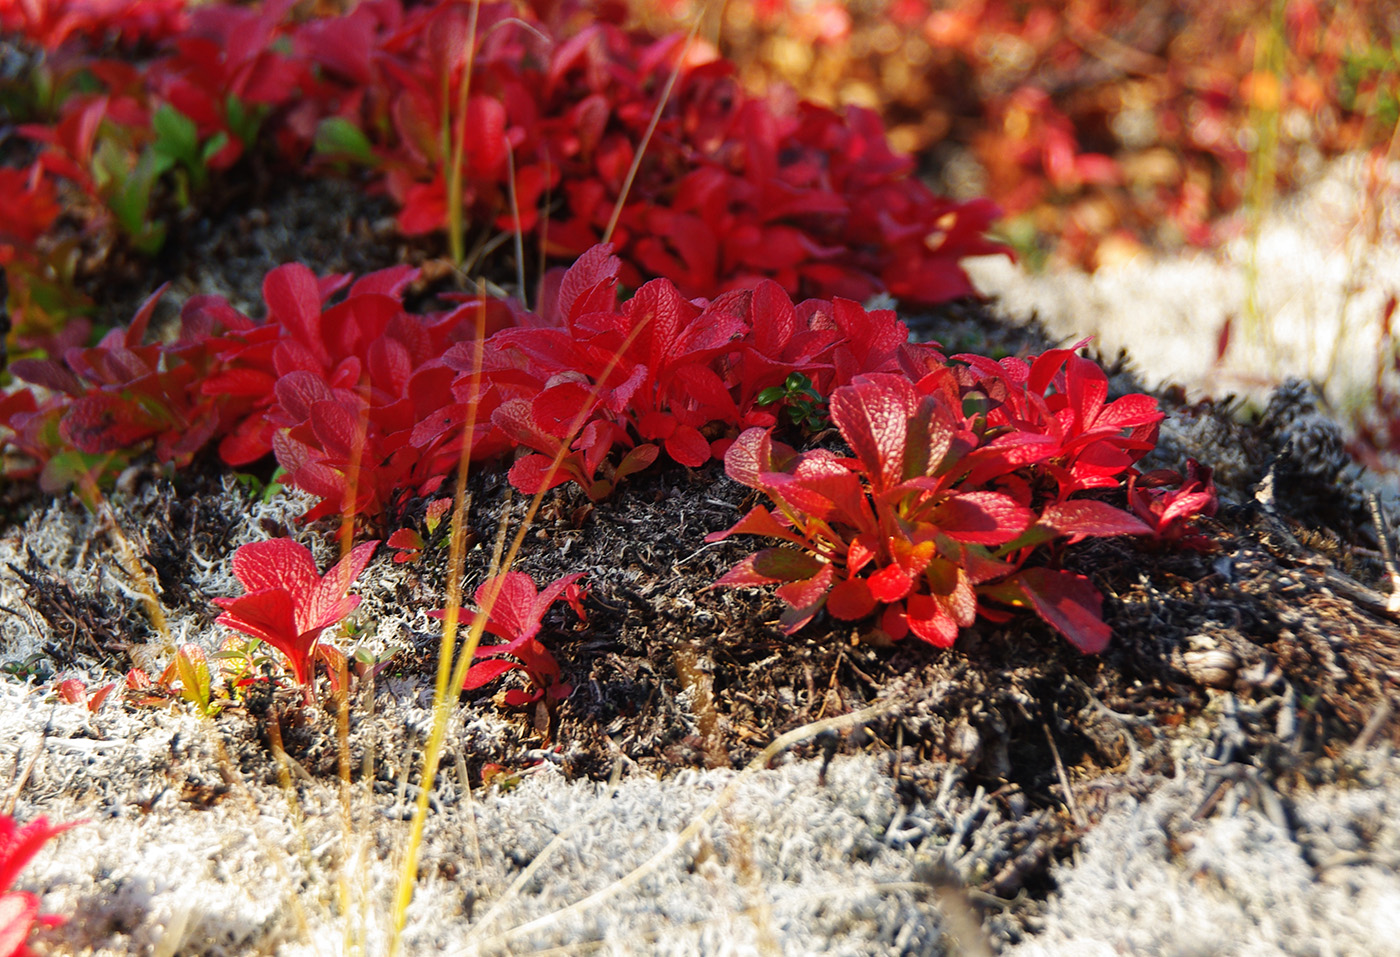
{"points": [[456, 228]]}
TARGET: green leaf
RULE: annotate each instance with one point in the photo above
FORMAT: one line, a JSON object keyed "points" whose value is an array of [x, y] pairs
{"points": [[176, 134], [130, 201], [196, 684], [212, 146], [337, 137], [243, 120]]}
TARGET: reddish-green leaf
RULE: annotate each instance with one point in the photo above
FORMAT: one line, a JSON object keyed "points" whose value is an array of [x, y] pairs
{"points": [[1068, 602]]}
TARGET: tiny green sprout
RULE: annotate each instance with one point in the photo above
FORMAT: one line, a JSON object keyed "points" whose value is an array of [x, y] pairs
{"points": [[802, 404], [255, 487], [241, 661], [36, 665], [196, 682]]}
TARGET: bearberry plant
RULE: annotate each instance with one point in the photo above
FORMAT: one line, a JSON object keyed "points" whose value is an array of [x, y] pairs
{"points": [[288, 603], [963, 485]]}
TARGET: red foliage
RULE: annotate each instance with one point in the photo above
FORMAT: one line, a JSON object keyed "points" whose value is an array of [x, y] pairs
{"points": [[515, 610], [19, 910], [28, 208], [732, 189], [51, 23], [288, 602], [956, 481]]}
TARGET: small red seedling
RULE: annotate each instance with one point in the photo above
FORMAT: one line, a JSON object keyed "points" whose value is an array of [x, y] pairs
{"points": [[19, 910], [516, 613], [288, 603], [1169, 513], [408, 545], [75, 691]]}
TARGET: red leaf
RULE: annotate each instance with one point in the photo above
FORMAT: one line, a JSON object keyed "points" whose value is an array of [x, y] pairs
{"points": [[930, 621], [873, 416], [18, 912], [509, 602], [590, 283], [328, 604], [532, 473], [337, 429], [688, 447], [19, 844], [634, 461], [484, 672], [71, 691], [806, 598], [1080, 518], [1068, 602], [486, 136], [753, 453], [563, 407], [850, 599], [405, 538], [293, 299], [759, 521], [982, 518], [275, 563], [890, 584]]}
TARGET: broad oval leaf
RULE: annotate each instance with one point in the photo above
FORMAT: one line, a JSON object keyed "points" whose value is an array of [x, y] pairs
{"points": [[982, 518], [850, 599], [1069, 603], [1080, 518]]}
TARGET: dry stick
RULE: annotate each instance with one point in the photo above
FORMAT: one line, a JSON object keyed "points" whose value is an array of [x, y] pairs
{"points": [[1383, 536], [464, 778], [446, 649], [131, 564], [1064, 779], [515, 218], [644, 870], [9, 808], [346, 537]]}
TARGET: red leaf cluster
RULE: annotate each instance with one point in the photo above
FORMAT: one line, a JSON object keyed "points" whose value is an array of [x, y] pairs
{"points": [[515, 610], [51, 23], [547, 112], [19, 910], [1099, 127], [361, 400], [957, 478], [288, 603]]}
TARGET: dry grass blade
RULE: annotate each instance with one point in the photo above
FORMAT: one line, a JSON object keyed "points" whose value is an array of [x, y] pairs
{"points": [[651, 126]]}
